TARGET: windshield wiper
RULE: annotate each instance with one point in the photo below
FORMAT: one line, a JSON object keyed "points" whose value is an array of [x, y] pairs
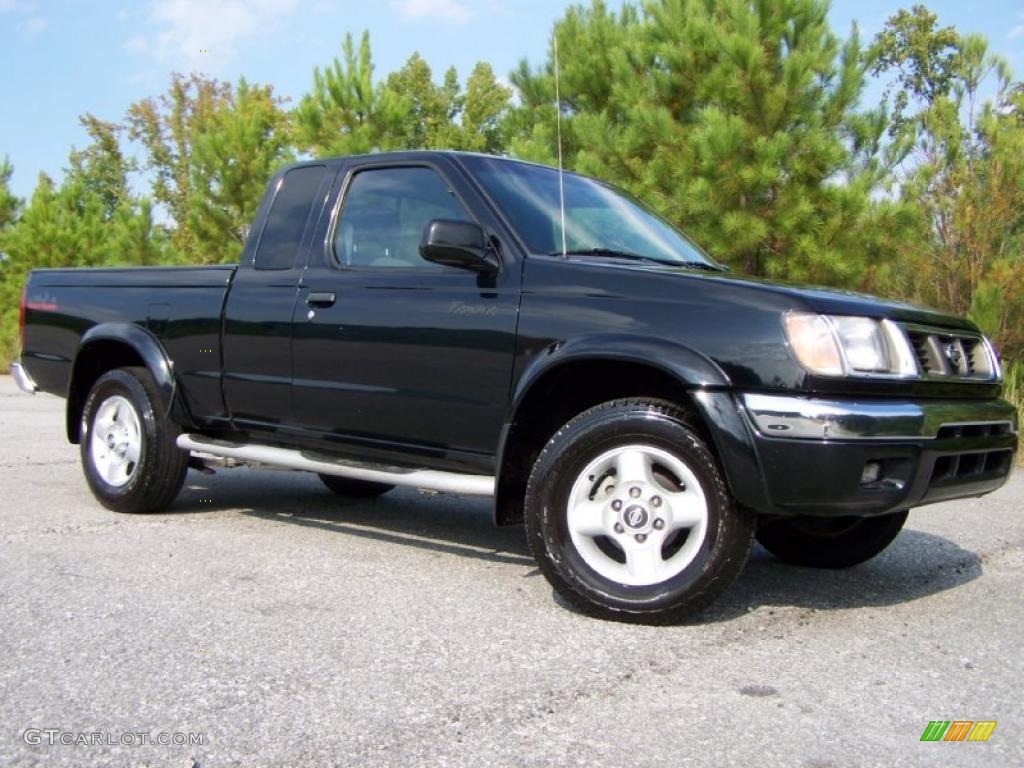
{"points": [[703, 265], [616, 253]]}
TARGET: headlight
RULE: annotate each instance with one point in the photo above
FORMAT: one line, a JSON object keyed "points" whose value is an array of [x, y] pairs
{"points": [[837, 345], [862, 340]]}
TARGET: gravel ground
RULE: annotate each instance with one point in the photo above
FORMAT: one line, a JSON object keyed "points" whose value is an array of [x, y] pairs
{"points": [[291, 628]]}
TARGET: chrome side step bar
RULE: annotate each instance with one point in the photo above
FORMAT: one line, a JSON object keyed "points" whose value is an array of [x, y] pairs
{"points": [[290, 458]]}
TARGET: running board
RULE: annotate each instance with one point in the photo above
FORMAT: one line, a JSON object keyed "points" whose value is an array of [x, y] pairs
{"points": [[290, 458]]}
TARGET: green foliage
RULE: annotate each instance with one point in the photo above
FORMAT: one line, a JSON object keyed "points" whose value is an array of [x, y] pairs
{"points": [[484, 104], [739, 120], [9, 208], [211, 149], [736, 120], [1013, 390], [420, 114], [963, 175], [72, 226], [166, 128], [925, 59], [242, 143], [9, 204], [345, 113], [341, 113], [102, 167]]}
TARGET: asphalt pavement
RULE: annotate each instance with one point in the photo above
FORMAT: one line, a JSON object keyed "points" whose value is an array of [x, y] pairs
{"points": [[274, 624]]}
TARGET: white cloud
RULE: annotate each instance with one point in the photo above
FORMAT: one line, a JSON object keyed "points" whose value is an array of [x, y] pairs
{"points": [[32, 26], [205, 33], [137, 44], [1018, 31], [440, 10], [30, 23]]}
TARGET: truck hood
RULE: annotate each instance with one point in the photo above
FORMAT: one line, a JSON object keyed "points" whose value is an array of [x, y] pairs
{"points": [[805, 297], [840, 302]]}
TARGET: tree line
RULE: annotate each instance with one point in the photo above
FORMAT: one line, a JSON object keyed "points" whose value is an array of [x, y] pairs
{"points": [[744, 122]]}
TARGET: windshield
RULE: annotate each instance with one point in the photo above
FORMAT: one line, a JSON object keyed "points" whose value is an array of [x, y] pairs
{"points": [[598, 218]]}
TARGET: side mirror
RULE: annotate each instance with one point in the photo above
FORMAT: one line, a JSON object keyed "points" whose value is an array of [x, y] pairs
{"points": [[457, 244]]}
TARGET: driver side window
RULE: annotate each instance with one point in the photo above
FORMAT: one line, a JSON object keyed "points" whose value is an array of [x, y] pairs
{"points": [[384, 214]]}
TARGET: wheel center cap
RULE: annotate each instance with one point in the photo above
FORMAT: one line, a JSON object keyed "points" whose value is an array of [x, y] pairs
{"points": [[635, 516], [110, 442]]}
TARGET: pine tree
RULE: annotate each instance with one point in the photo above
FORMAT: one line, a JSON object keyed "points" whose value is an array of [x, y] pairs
{"points": [[341, 115], [737, 120], [420, 114], [346, 113], [9, 289], [9, 204], [72, 226]]}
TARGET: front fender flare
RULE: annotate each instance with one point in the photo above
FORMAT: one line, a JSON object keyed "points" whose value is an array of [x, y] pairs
{"points": [[709, 385], [683, 363]]}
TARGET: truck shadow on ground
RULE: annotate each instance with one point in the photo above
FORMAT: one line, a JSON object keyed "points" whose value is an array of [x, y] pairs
{"points": [[448, 524], [916, 565]]}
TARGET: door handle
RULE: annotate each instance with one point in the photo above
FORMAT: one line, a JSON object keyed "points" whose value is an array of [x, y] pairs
{"points": [[320, 299]]}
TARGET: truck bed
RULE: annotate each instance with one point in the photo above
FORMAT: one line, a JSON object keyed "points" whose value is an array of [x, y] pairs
{"points": [[181, 306]]}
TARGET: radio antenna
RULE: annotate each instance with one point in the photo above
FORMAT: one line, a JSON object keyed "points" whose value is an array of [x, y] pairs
{"points": [[558, 124]]}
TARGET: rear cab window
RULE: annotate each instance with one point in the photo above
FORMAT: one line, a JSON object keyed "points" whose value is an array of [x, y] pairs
{"points": [[288, 217]]}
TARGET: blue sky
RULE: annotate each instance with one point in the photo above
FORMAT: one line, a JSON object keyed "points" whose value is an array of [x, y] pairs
{"points": [[60, 58]]}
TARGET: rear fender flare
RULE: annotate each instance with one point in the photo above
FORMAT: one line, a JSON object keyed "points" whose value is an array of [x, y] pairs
{"points": [[139, 340]]}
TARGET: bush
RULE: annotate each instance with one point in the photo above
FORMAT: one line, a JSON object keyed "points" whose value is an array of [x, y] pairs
{"points": [[1013, 390]]}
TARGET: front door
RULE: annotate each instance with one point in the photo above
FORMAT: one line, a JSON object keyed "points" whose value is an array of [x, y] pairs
{"points": [[394, 352]]}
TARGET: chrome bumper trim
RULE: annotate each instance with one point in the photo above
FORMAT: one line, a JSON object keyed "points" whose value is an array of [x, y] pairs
{"points": [[806, 418], [21, 377]]}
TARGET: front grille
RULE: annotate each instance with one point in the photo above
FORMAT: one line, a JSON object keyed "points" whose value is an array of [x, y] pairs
{"points": [[951, 354]]}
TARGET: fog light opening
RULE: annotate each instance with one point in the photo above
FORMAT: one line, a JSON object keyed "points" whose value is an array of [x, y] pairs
{"points": [[871, 473]]}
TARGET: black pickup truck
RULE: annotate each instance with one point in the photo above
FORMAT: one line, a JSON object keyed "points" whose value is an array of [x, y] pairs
{"points": [[443, 321]]}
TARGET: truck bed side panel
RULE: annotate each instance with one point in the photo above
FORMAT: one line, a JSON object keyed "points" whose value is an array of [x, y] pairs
{"points": [[181, 306]]}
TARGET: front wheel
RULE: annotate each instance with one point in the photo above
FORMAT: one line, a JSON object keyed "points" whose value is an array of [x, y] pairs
{"points": [[629, 517], [129, 455], [829, 542]]}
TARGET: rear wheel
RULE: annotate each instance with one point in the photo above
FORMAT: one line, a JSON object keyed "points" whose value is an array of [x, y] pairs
{"points": [[829, 542], [629, 517], [129, 455], [356, 489]]}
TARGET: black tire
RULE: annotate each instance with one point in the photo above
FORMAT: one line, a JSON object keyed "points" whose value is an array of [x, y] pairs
{"points": [[829, 542], [356, 489], [153, 482], [597, 432]]}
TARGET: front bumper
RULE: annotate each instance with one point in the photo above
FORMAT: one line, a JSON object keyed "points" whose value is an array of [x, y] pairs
{"points": [[22, 379], [838, 457]]}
